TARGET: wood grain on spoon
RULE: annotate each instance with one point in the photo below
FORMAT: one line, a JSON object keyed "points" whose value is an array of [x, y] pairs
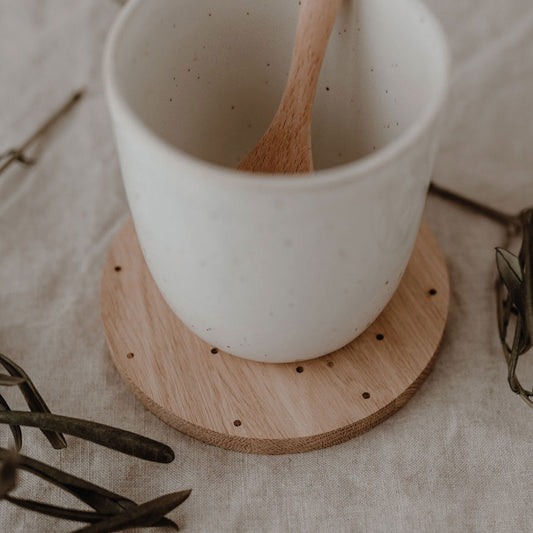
{"points": [[285, 148]]}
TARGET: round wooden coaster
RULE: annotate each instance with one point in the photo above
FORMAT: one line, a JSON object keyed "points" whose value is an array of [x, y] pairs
{"points": [[271, 408]]}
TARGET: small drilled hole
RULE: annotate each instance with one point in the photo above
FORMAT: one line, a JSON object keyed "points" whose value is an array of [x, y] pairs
{"points": [[366, 395], [432, 292], [130, 355], [331, 363], [379, 337], [299, 369], [118, 268], [214, 350], [237, 423]]}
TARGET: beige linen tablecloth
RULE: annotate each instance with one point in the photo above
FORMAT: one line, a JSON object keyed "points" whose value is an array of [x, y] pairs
{"points": [[457, 457]]}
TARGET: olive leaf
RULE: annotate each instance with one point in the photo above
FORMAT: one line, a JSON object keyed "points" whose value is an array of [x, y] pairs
{"points": [[526, 261], [9, 380], [514, 353], [512, 276], [33, 399], [110, 437], [15, 430], [8, 473], [144, 515], [103, 501], [97, 497], [509, 269], [77, 515], [65, 513]]}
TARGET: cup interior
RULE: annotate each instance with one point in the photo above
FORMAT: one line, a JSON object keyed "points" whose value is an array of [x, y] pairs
{"points": [[206, 76]]}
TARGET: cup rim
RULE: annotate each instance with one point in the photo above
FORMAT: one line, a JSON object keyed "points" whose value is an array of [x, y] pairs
{"points": [[352, 171]]}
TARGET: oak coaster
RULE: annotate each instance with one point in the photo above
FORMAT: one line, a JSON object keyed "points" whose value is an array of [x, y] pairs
{"points": [[271, 408]]}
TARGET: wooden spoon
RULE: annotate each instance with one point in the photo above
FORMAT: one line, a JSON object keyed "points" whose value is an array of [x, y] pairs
{"points": [[286, 145]]}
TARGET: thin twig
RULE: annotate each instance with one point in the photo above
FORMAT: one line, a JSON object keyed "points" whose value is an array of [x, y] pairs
{"points": [[495, 214], [17, 154]]}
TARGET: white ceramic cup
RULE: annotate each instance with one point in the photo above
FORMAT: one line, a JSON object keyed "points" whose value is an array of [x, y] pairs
{"points": [[274, 268]]}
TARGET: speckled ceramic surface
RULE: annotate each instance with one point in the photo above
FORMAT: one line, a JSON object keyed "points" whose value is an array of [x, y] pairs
{"points": [[272, 266]]}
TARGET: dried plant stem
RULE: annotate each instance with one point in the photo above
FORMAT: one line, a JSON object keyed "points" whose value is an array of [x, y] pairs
{"points": [[18, 153], [494, 214]]}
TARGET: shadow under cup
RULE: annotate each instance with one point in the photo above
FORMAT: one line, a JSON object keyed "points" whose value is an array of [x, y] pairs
{"points": [[283, 268]]}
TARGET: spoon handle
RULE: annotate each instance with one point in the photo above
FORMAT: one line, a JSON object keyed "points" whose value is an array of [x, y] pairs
{"points": [[315, 22]]}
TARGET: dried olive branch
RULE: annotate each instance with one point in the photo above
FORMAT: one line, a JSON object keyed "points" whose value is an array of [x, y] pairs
{"points": [[513, 286], [515, 298], [8, 472], [105, 503], [112, 512]]}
